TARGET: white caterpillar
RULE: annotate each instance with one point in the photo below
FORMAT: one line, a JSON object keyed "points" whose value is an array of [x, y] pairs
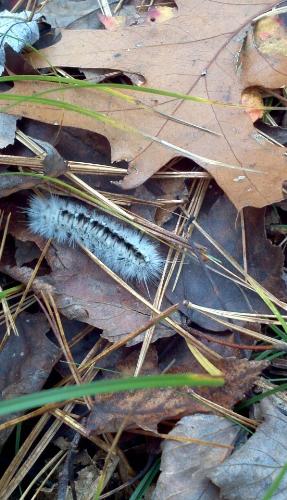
{"points": [[124, 250]]}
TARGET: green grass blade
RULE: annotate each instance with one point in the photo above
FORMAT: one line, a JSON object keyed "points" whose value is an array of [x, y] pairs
{"points": [[10, 291], [16, 98], [259, 397], [102, 86], [146, 482], [61, 394], [105, 86], [18, 438], [260, 291], [269, 355], [276, 483], [278, 332], [39, 99]]}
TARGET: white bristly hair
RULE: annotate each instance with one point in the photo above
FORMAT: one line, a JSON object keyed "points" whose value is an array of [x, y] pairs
{"points": [[126, 251]]}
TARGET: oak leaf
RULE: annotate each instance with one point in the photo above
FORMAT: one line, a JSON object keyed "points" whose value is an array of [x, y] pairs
{"points": [[147, 408], [206, 50]]}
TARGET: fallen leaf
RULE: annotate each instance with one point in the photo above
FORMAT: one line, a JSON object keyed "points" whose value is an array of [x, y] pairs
{"points": [[184, 465], [7, 129], [147, 408], [133, 17], [128, 360], [112, 23], [251, 469], [161, 14], [97, 76], [72, 13], [84, 292], [254, 100], [279, 134], [170, 189], [16, 35], [79, 349], [263, 60], [202, 286], [17, 31], [187, 54], [26, 251], [88, 479], [270, 35], [53, 165], [26, 360], [15, 63], [71, 143]]}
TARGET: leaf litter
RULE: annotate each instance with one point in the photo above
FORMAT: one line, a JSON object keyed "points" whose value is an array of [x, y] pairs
{"points": [[16, 31], [219, 218], [250, 470], [108, 329], [185, 467], [147, 410], [211, 53], [26, 360]]}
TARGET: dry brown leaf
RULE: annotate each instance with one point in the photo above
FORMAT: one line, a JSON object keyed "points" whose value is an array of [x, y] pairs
{"points": [[53, 165], [189, 54], [154, 14], [252, 98], [82, 290], [264, 61], [170, 189], [270, 35], [26, 360], [147, 408], [264, 262]]}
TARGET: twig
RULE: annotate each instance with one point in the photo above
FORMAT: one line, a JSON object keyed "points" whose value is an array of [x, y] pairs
{"points": [[66, 475]]}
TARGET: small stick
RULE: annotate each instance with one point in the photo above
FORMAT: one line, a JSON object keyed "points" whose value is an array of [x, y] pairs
{"points": [[66, 475]]}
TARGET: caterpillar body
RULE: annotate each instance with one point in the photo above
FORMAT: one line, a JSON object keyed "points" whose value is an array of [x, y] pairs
{"points": [[125, 251]]}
